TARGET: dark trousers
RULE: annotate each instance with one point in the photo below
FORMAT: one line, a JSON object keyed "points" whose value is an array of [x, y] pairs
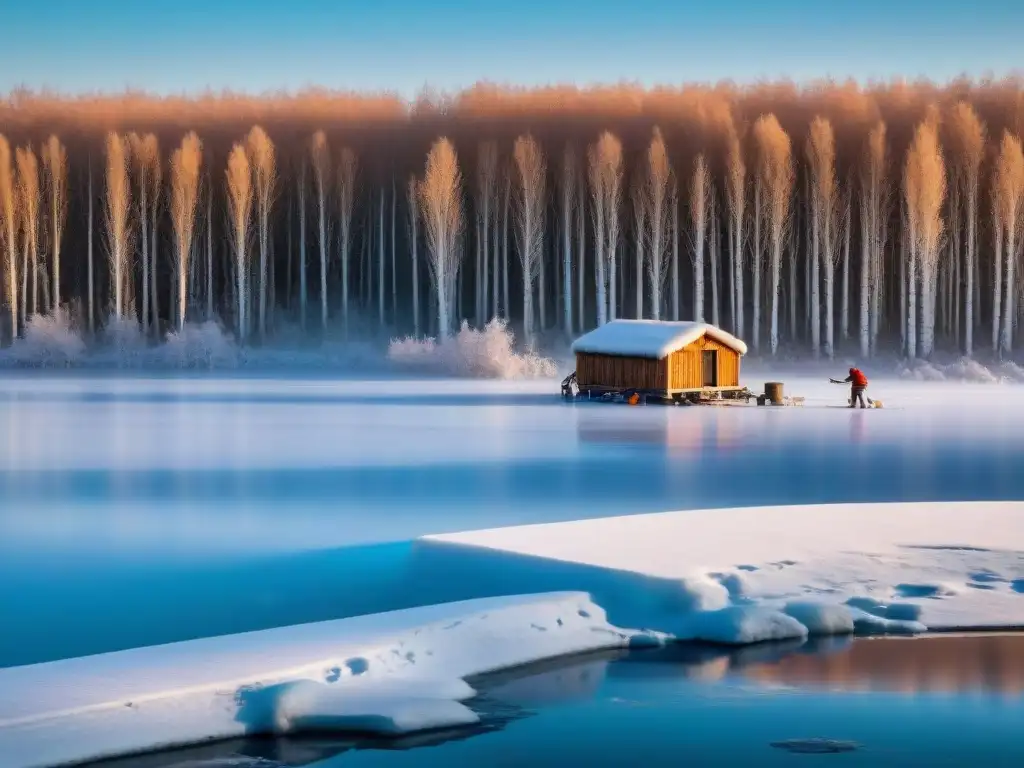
{"points": [[857, 393]]}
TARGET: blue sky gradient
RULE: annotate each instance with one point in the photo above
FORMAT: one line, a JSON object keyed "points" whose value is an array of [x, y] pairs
{"points": [[402, 45]]}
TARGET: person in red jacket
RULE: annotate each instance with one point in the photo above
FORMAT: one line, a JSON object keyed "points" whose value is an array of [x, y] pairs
{"points": [[858, 383]]}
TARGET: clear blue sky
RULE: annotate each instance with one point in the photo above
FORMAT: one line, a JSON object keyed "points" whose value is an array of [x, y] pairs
{"points": [[171, 46]]}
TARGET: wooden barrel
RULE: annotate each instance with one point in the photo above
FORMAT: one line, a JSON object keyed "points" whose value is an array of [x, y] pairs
{"points": [[773, 391]]}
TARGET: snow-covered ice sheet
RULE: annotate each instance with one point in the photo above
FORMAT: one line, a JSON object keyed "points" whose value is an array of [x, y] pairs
{"points": [[945, 565], [387, 673]]}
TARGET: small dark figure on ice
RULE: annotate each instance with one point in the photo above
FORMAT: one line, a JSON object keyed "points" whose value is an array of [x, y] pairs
{"points": [[858, 384]]}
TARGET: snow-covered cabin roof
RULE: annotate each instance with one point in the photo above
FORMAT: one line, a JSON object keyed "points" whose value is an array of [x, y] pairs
{"points": [[650, 338]]}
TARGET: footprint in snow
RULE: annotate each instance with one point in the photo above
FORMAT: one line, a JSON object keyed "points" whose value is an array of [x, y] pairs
{"points": [[935, 591], [332, 675], [357, 665], [986, 577], [1017, 586], [750, 568]]}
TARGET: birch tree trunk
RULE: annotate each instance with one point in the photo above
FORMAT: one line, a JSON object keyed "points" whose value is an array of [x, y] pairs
{"points": [[303, 287], [912, 295], [89, 259], [504, 253], [830, 267], [758, 260], [715, 234], [969, 267], [380, 260], [776, 267], [209, 255], [675, 257], [394, 264], [567, 258], [865, 271], [845, 303], [1009, 316], [143, 221], [815, 279], [581, 264], [997, 279]]}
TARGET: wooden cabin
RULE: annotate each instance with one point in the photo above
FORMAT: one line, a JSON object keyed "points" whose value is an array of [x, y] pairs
{"points": [[670, 359]]}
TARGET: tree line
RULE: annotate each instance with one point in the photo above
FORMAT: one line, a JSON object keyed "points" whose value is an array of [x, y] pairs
{"points": [[802, 218]]}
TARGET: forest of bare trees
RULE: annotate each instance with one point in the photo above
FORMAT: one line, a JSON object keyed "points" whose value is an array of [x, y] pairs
{"points": [[820, 219]]}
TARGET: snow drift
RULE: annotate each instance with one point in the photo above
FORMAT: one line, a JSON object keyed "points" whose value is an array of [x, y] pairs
{"points": [[763, 573], [487, 353], [52, 341], [386, 673]]}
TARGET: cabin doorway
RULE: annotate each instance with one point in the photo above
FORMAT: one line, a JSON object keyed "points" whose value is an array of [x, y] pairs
{"points": [[709, 366]]}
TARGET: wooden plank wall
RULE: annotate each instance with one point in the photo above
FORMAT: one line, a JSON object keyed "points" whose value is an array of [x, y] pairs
{"points": [[620, 372], [685, 365]]}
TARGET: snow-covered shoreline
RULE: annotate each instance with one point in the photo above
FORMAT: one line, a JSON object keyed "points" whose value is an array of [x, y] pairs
{"points": [[387, 673]]}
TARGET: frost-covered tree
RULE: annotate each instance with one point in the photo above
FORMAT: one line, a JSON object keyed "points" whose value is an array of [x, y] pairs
{"points": [[240, 203], [873, 221], [736, 189], [55, 165], [605, 171], [414, 239], [821, 155], [775, 174], [321, 179], [640, 234], [968, 134], [1009, 181], [186, 163], [9, 233], [486, 187], [347, 167], [700, 202], [117, 219], [29, 200], [146, 164], [659, 202], [530, 171], [440, 198], [264, 171], [924, 192], [567, 198]]}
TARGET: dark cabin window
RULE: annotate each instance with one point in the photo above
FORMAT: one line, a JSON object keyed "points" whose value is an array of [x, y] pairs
{"points": [[710, 367]]}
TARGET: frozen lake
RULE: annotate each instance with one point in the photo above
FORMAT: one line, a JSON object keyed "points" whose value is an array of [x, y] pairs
{"points": [[149, 509]]}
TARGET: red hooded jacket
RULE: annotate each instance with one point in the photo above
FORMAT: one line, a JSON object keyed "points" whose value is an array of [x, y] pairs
{"points": [[857, 378]]}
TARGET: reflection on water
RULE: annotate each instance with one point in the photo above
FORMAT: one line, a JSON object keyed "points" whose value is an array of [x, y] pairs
{"points": [[717, 706], [990, 663]]}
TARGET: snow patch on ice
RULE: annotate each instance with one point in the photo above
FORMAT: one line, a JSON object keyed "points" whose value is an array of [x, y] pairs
{"points": [[486, 353], [306, 705], [892, 561], [741, 625], [869, 624], [696, 593], [821, 618]]}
